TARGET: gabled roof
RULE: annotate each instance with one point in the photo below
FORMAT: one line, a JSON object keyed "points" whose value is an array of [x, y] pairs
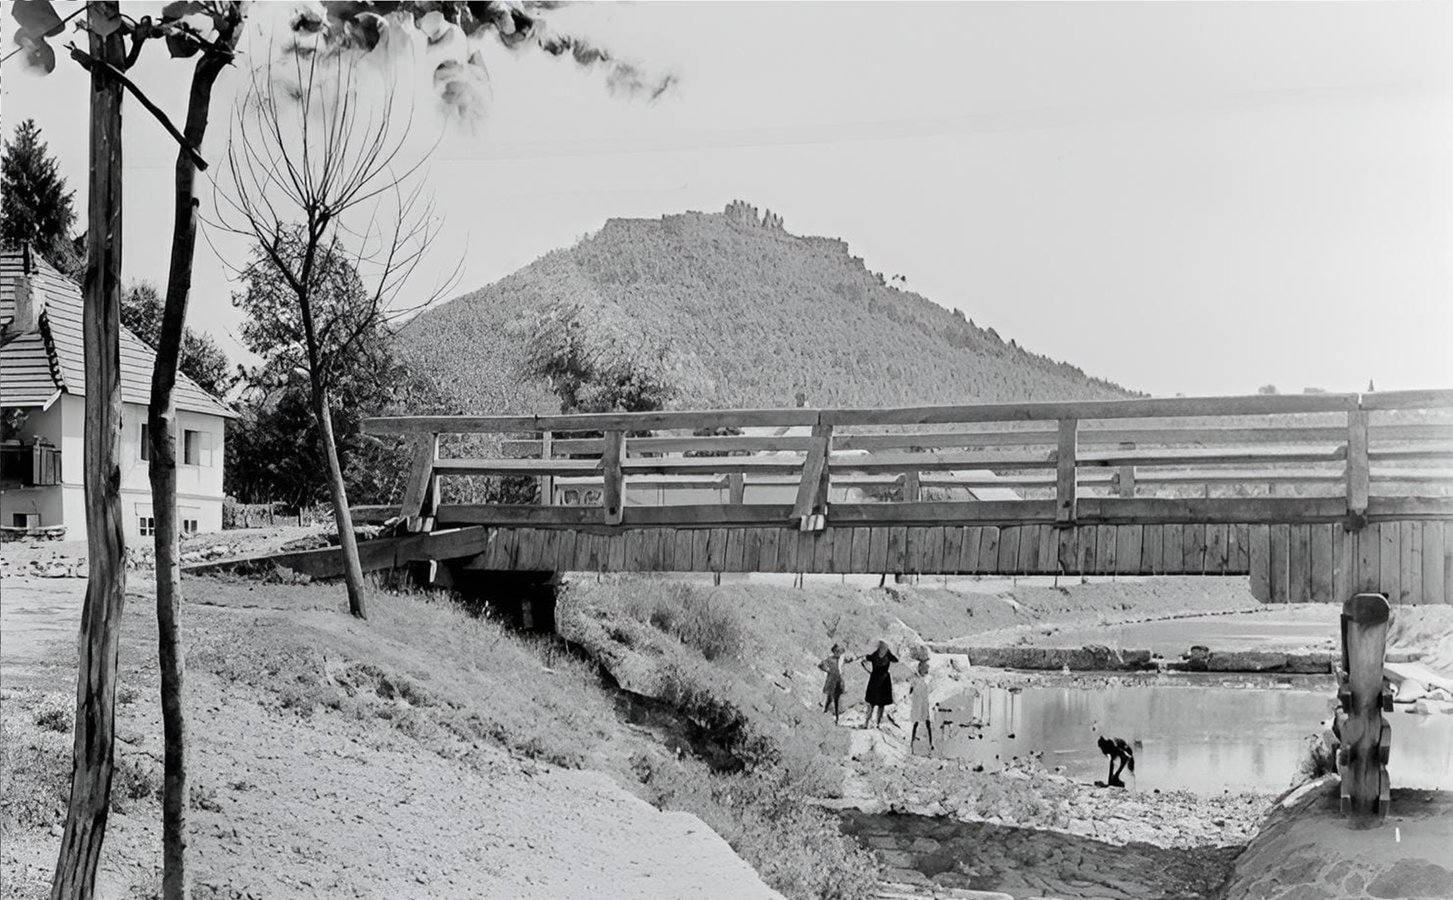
{"points": [[35, 366]]}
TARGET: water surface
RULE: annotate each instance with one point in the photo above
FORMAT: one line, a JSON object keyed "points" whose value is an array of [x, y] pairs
{"points": [[1205, 739]]}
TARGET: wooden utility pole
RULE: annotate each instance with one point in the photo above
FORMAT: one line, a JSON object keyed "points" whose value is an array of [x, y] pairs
{"points": [[80, 851]]}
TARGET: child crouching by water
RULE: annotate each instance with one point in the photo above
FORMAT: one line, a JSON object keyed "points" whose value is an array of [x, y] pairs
{"points": [[832, 686], [922, 711]]}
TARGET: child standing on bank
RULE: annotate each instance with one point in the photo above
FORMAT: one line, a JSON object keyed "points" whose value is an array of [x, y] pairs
{"points": [[832, 686], [922, 711]]}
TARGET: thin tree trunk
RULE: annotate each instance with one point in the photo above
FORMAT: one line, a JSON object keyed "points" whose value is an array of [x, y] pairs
{"points": [[91, 769], [162, 422], [352, 570]]}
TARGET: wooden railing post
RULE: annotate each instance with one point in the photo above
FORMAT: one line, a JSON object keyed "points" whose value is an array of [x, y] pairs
{"points": [[1125, 477], [736, 488], [912, 487], [1358, 480], [547, 482], [612, 498], [812, 493], [1064, 488], [421, 491], [1125, 481], [1364, 738]]}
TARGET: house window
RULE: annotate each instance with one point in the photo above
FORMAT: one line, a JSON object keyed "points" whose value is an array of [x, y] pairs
{"points": [[196, 448], [146, 525], [189, 526], [145, 442], [25, 520]]}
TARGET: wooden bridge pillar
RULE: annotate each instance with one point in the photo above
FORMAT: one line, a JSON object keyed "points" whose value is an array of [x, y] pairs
{"points": [[1365, 738]]}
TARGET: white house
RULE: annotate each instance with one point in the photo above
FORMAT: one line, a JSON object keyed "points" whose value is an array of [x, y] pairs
{"points": [[42, 399]]}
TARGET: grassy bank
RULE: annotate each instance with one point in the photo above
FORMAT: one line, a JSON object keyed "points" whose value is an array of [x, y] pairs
{"points": [[420, 673]]}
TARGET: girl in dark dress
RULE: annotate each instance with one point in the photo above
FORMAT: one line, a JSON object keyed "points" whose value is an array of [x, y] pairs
{"points": [[880, 681]]}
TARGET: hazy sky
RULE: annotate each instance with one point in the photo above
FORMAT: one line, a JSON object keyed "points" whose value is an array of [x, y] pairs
{"points": [[1200, 198]]}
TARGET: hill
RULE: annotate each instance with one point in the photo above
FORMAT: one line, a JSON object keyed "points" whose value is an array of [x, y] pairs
{"points": [[750, 315]]}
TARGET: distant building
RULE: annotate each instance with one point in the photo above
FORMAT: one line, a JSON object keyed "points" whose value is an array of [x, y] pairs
{"points": [[42, 401]]}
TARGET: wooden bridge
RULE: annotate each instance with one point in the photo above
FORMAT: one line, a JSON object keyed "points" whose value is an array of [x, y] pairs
{"points": [[1316, 497]]}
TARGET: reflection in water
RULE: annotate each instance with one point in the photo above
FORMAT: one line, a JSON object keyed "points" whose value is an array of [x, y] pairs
{"points": [[1207, 740]]}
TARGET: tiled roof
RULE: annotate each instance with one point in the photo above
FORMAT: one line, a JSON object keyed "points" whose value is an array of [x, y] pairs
{"points": [[34, 366]]}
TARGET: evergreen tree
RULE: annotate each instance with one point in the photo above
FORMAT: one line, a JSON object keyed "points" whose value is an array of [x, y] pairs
{"points": [[35, 206]]}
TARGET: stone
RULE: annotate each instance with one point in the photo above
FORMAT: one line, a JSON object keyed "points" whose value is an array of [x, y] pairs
{"points": [[1413, 878]]}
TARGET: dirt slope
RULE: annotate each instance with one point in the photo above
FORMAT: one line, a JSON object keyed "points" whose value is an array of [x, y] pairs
{"points": [[327, 803]]}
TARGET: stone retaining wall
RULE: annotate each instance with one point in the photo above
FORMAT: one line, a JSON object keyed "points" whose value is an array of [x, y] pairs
{"points": [[1105, 659]]}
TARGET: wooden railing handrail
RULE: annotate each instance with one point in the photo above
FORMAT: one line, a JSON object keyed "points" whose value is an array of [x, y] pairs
{"points": [[1149, 408], [1071, 449]]}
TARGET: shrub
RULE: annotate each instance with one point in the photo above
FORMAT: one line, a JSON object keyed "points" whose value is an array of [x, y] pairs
{"points": [[56, 717], [701, 619]]}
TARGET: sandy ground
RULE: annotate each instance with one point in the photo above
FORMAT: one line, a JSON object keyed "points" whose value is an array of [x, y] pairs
{"points": [[330, 806]]}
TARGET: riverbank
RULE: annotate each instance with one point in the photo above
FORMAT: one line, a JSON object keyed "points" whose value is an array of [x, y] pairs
{"points": [[419, 754]]}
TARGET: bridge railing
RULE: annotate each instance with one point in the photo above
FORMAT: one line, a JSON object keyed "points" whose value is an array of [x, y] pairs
{"points": [[1347, 458]]}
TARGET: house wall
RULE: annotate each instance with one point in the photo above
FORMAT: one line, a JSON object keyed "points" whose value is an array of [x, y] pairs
{"points": [[199, 485]]}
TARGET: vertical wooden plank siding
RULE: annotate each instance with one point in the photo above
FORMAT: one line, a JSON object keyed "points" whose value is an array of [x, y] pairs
{"points": [[1299, 564], [1410, 574], [699, 538], [1028, 560], [969, 558], [1008, 550], [862, 538], [1448, 562], [1067, 547], [1324, 563], [913, 541], [733, 560], [1344, 560], [770, 537], [1433, 564], [936, 542], [1369, 560], [953, 549], [1105, 550], [1280, 549], [1150, 549], [1085, 558], [1239, 536], [1173, 552], [787, 550], [1259, 560], [617, 552], [878, 549], [897, 547], [1389, 581], [1048, 559], [681, 557], [822, 557], [842, 550], [1193, 547], [989, 550], [1216, 551]]}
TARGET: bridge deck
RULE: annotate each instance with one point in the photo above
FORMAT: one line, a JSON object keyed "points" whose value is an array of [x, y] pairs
{"points": [[1315, 497]]}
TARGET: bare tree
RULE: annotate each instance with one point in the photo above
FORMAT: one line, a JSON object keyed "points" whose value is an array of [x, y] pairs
{"points": [[316, 175], [216, 53]]}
